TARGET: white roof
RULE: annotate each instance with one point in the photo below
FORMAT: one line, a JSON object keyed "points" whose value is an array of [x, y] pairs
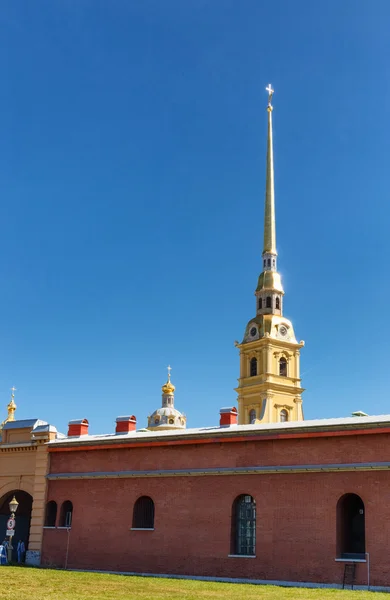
{"points": [[338, 423]]}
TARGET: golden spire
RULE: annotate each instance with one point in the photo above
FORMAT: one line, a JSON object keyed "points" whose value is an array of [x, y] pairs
{"points": [[11, 407], [269, 213], [168, 387]]}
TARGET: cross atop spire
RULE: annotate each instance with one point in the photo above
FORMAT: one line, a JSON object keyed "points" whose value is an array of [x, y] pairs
{"points": [[169, 368], [270, 94]]}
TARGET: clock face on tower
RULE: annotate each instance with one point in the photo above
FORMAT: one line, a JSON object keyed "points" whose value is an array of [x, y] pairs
{"points": [[253, 331], [283, 330]]}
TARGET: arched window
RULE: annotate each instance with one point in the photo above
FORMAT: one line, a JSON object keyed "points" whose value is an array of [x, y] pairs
{"points": [[252, 415], [283, 415], [351, 537], [253, 367], [273, 262], [51, 514], [277, 303], [66, 514], [283, 367], [143, 513], [265, 263], [269, 302], [244, 526], [260, 304], [268, 262]]}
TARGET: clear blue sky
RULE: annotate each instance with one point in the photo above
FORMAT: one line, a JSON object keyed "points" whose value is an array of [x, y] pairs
{"points": [[132, 166]]}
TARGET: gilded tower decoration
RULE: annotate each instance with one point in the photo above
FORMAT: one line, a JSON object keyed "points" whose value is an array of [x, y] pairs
{"points": [[11, 408], [269, 388], [167, 417]]}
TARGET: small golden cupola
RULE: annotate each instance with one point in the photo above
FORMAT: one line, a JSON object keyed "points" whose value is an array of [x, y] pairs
{"points": [[167, 417], [11, 408]]}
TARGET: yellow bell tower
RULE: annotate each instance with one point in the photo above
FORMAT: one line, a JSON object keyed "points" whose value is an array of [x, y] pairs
{"points": [[269, 388]]}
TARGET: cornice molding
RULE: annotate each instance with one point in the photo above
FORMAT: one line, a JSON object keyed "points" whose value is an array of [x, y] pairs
{"points": [[261, 470]]}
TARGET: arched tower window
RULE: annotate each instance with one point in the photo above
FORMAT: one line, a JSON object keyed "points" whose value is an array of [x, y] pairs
{"points": [[269, 302], [260, 304], [143, 513], [277, 303], [264, 263], [268, 262], [66, 514], [283, 415], [252, 415], [351, 535], [253, 367], [283, 367], [244, 526], [51, 514]]}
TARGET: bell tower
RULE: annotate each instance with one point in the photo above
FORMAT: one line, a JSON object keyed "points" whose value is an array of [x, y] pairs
{"points": [[269, 388]]}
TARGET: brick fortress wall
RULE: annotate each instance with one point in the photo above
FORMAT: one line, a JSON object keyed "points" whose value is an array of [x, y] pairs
{"points": [[296, 513]]}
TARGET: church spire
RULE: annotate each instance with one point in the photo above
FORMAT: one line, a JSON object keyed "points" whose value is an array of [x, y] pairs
{"points": [[269, 213], [269, 388]]}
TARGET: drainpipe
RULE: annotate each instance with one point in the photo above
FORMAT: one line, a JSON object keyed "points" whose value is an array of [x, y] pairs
{"points": [[368, 570]]}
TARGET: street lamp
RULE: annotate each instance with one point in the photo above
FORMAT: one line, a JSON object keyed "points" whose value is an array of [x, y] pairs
{"points": [[13, 507]]}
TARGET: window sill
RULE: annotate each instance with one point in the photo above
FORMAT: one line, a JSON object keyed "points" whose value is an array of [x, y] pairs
{"points": [[69, 528], [354, 560], [49, 527], [241, 556], [141, 528]]}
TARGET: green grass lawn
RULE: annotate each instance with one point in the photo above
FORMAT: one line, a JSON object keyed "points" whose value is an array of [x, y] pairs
{"points": [[18, 583]]}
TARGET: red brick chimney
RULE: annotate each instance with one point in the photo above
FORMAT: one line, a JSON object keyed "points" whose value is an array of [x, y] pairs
{"points": [[77, 428], [228, 416], [125, 424]]}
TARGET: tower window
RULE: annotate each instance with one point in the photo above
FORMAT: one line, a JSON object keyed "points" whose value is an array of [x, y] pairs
{"points": [[268, 262], [252, 416], [350, 527], [265, 263], [143, 513], [269, 302], [283, 415], [283, 367], [273, 262], [253, 367], [277, 303], [244, 526], [260, 304]]}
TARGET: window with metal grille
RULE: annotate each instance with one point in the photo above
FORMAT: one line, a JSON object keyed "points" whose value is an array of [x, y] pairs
{"points": [[143, 513], [244, 526], [51, 514], [66, 514]]}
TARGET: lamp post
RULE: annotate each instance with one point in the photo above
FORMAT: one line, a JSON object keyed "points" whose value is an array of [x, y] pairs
{"points": [[13, 507]]}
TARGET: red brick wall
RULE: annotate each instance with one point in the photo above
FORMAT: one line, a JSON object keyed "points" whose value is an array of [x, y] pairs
{"points": [[363, 448], [296, 513]]}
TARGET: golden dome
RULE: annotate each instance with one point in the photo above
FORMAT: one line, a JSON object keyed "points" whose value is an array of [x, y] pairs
{"points": [[168, 387], [270, 280]]}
